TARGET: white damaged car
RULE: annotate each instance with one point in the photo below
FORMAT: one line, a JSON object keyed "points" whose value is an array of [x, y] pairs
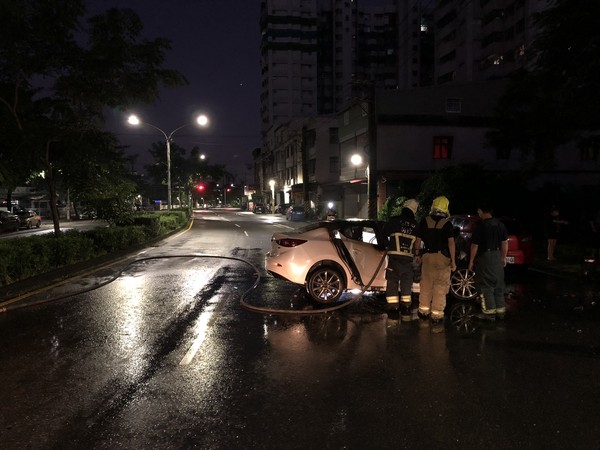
{"points": [[329, 258]]}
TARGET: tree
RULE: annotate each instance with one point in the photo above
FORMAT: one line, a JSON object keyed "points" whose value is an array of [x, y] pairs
{"points": [[56, 78], [467, 184], [186, 170], [558, 99], [100, 179]]}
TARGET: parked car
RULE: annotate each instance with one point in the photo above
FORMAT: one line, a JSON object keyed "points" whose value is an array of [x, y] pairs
{"points": [[330, 257], [282, 208], [29, 218], [295, 213], [520, 251], [259, 209], [9, 222]]}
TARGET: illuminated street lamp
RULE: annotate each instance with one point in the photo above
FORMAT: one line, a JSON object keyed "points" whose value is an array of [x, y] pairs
{"points": [[356, 160], [272, 184], [201, 120]]}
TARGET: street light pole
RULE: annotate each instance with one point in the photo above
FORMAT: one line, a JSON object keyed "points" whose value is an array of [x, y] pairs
{"points": [[272, 184], [357, 160], [201, 120]]}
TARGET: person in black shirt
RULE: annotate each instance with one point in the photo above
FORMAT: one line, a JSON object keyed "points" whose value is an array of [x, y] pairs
{"points": [[489, 245]]}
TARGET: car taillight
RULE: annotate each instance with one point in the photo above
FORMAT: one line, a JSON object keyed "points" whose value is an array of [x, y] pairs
{"points": [[288, 242]]}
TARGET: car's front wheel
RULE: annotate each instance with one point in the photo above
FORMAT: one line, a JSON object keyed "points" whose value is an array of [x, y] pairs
{"points": [[326, 284], [462, 284]]}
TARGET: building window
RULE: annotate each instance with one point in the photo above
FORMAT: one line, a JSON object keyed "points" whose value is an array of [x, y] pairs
{"points": [[334, 164], [453, 105], [310, 138], [312, 165], [589, 148], [333, 136], [442, 147]]}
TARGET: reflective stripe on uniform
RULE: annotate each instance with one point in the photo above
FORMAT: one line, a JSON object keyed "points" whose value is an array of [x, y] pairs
{"points": [[392, 299], [484, 309], [403, 244], [406, 299], [435, 314], [424, 310]]}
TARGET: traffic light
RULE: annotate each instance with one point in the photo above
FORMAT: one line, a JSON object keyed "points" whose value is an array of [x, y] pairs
{"points": [[228, 189], [200, 187]]}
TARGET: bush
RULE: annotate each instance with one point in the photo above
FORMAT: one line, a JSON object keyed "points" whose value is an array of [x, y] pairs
{"points": [[25, 257]]}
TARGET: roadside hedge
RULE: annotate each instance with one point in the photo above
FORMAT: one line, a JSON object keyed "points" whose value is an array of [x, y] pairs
{"points": [[24, 257]]}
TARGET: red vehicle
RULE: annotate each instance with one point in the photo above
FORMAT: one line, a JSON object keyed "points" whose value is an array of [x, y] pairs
{"points": [[520, 243]]}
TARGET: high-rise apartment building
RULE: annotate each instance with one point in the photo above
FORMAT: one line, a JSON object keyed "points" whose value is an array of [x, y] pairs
{"points": [[483, 39], [318, 56]]}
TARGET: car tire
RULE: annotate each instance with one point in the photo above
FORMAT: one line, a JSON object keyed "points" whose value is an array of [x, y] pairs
{"points": [[29, 226], [325, 284], [461, 316], [39, 224], [462, 284]]}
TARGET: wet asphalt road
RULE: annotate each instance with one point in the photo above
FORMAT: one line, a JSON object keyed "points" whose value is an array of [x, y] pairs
{"points": [[157, 352]]}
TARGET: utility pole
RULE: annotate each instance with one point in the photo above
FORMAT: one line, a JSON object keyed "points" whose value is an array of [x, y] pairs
{"points": [[304, 153], [372, 167]]}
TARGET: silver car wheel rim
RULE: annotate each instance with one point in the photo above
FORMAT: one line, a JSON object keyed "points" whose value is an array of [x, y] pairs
{"points": [[326, 285], [463, 284]]}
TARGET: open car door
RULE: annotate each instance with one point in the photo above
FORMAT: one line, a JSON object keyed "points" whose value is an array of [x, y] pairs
{"points": [[367, 252]]}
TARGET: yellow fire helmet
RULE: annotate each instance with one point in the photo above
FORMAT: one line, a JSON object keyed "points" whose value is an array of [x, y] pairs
{"points": [[441, 204]]}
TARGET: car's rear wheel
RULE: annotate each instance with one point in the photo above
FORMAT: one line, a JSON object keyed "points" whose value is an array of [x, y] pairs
{"points": [[462, 284], [29, 226], [326, 284], [39, 224]]}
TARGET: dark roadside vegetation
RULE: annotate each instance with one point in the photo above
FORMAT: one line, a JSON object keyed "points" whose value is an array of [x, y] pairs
{"points": [[29, 256]]}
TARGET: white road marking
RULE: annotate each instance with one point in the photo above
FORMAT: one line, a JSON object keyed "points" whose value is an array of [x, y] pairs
{"points": [[201, 327], [205, 321]]}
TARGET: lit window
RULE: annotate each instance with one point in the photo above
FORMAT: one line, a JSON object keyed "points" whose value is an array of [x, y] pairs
{"points": [[442, 147]]}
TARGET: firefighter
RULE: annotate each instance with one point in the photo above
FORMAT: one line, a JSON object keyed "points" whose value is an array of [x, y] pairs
{"points": [[436, 233], [400, 250]]}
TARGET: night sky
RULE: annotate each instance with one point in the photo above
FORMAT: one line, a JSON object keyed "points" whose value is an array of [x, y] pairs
{"points": [[215, 45]]}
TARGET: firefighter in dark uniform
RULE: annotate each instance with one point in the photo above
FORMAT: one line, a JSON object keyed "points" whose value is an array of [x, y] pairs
{"points": [[489, 245], [400, 250]]}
